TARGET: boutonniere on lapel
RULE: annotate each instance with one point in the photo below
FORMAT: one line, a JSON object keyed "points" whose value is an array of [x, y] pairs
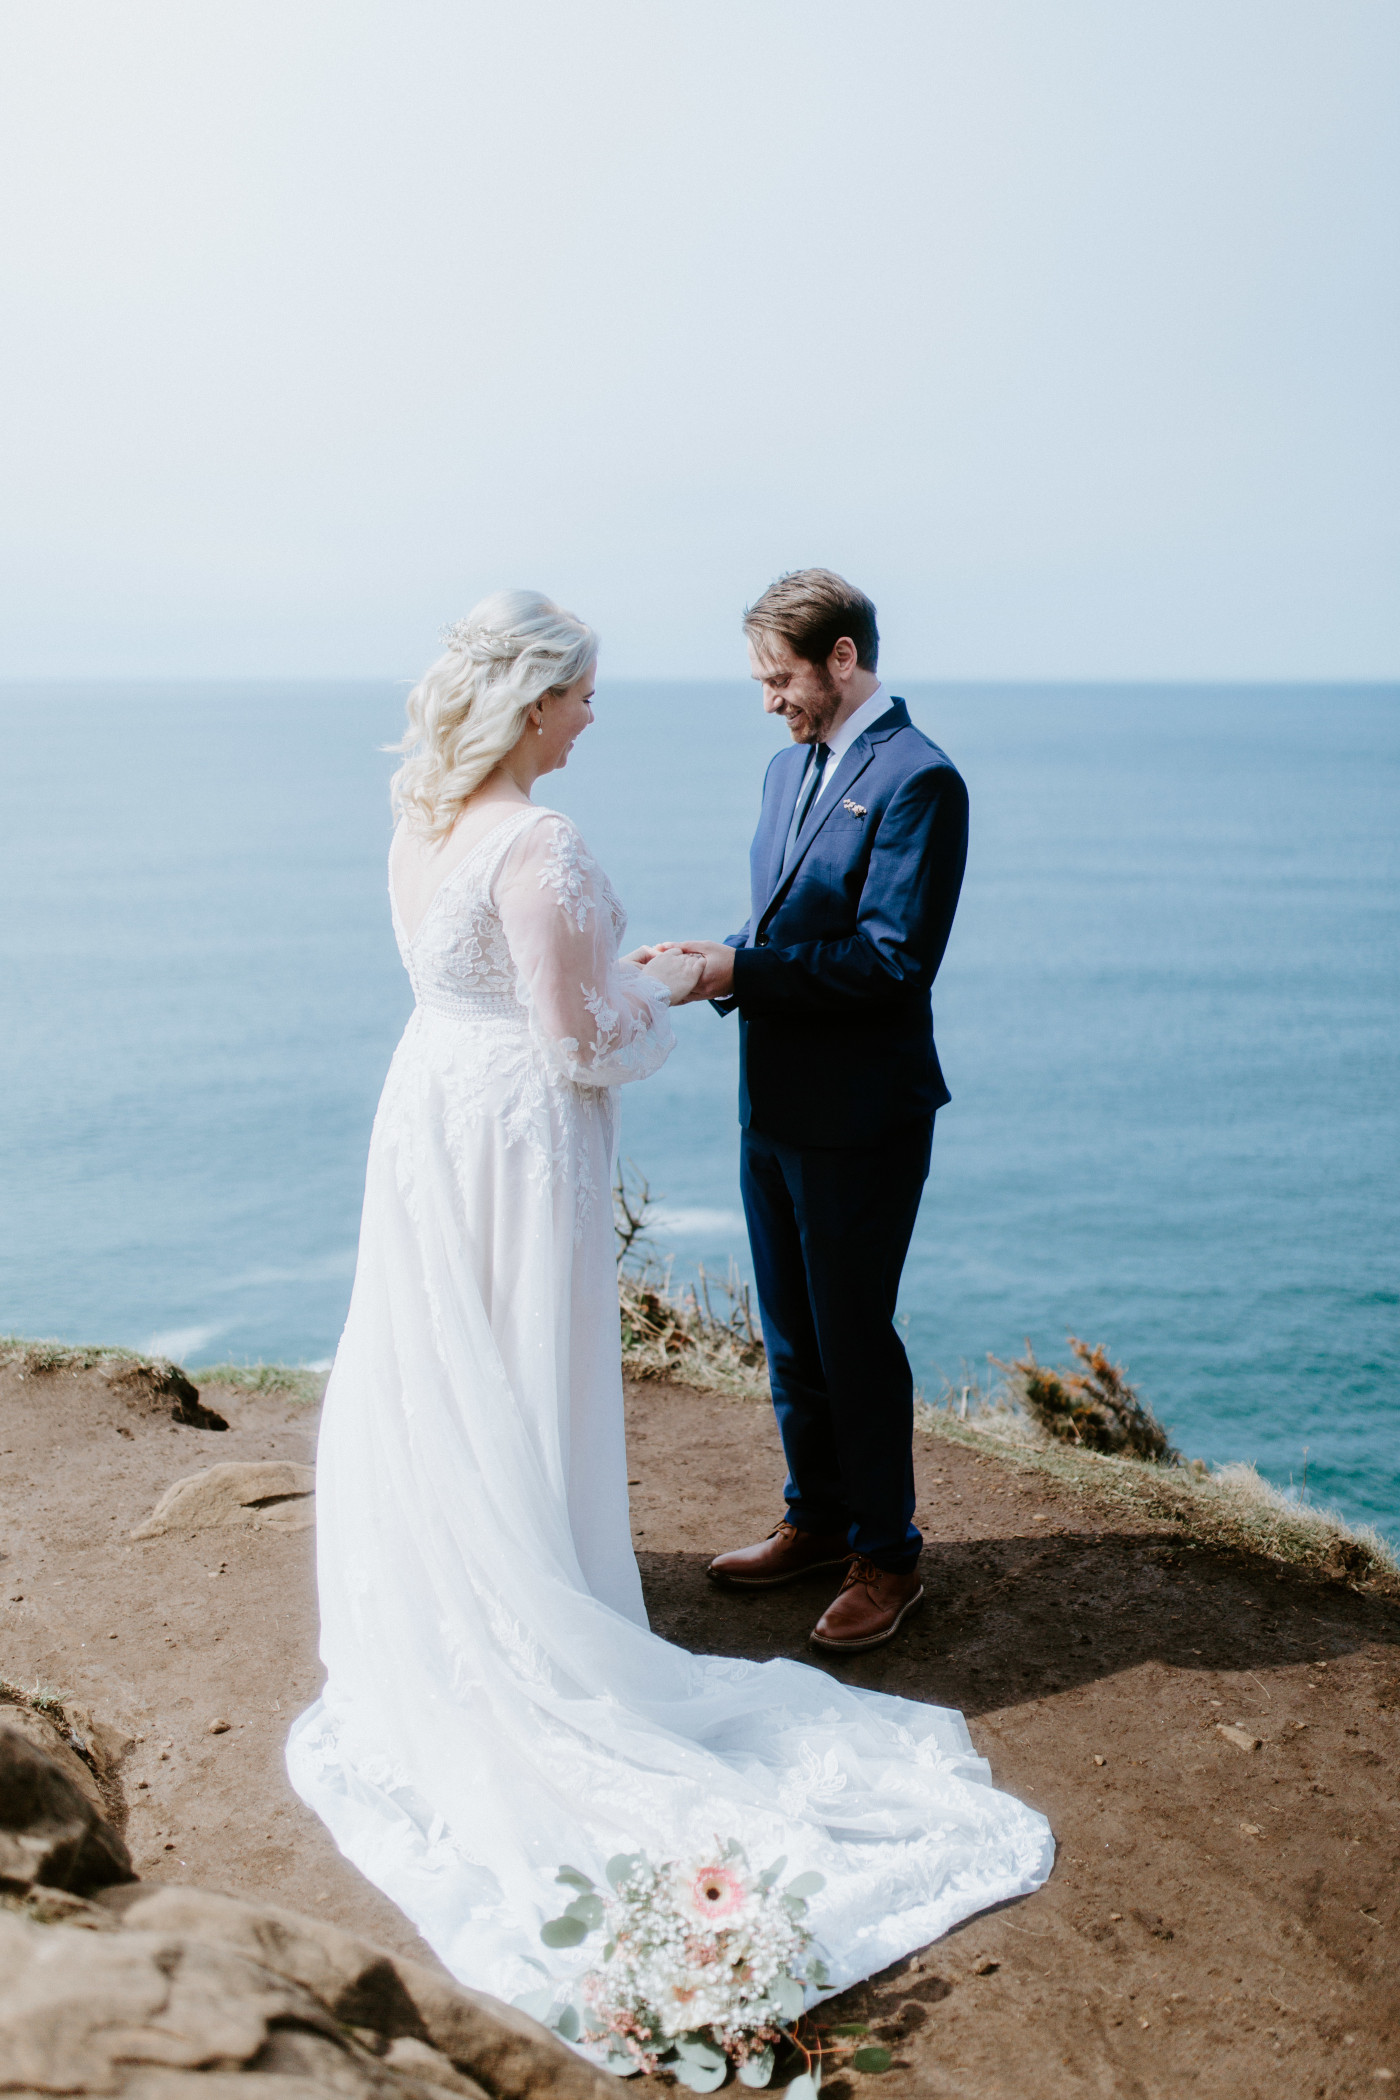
{"points": [[857, 809]]}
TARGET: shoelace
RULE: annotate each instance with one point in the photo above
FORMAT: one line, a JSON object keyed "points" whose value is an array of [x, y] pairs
{"points": [[860, 1570]]}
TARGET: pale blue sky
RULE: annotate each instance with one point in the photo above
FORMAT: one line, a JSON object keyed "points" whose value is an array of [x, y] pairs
{"points": [[1068, 328]]}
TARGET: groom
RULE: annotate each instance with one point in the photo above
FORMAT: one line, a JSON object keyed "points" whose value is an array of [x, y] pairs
{"points": [[855, 870]]}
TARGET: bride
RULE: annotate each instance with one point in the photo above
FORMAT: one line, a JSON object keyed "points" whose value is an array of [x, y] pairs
{"points": [[495, 1705]]}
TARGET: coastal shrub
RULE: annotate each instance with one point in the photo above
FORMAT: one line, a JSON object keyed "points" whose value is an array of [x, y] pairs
{"points": [[1094, 1407]]}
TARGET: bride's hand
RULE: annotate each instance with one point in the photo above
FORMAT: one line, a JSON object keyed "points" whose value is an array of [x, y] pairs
{"points": [[679, 972], [640, 956]]}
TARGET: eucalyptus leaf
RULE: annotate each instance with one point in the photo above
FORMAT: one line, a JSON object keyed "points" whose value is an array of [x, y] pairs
{"points": [[698, 2048], [622, 1865], [757, 2069], [803, 2087], [873, 2058], [850, 2027], [538, 2004], [701, 2078], [794, 1906], [773, 1873], [571, 1878], [818, 1973], [790, 1996], [587, 1909], [567, 2023], [806, 1885], [563, 1932]]}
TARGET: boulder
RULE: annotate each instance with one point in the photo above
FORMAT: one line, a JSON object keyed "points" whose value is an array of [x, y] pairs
{"points": [[50, 1830], [56, 1743], [363, 1987], [94, 2012], [167, 1993], [272, 1493]]}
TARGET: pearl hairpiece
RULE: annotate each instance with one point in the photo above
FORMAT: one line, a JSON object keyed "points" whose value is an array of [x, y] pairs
{"points": [[481, 643]]}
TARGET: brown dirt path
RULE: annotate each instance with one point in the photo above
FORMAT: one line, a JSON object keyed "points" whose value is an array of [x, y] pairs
{"points": [[1221, 1922]]}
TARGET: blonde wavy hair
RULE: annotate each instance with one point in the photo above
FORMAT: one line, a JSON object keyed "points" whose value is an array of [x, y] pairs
{"points": [[469, 708]]}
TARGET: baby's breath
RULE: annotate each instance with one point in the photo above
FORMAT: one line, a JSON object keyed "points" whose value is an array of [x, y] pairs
{"points": [[703, 1964]]}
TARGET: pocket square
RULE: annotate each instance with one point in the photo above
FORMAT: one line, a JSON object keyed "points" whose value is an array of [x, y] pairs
{"points": [[857, 809]]}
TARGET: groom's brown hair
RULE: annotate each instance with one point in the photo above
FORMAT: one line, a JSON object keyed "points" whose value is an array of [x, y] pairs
{"points": [[811, 609]]}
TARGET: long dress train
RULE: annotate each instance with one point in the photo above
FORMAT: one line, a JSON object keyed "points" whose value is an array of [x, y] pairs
{"points": [[495, 1705]]}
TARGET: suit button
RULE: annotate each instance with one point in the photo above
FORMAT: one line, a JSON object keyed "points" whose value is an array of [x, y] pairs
{"points": [[762, 941]]}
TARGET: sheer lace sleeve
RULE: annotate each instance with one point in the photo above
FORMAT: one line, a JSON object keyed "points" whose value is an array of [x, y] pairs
{"points": [[599, 1021]]}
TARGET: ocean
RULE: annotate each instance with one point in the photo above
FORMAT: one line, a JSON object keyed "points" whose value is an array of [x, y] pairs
{"points": [[1168, 1017]]}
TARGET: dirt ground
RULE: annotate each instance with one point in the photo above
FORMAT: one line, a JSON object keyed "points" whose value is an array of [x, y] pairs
{"points": [[1221, 1920]]}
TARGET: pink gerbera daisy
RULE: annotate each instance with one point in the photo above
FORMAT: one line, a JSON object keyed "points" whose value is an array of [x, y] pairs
{"points": [[717, 1892]]}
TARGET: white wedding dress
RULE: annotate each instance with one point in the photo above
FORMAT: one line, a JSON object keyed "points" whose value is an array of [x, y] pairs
{"points": [[495, 1705]]}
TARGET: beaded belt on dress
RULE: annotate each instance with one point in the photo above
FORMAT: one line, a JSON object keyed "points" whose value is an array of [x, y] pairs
{"points": [[475, 1006]]}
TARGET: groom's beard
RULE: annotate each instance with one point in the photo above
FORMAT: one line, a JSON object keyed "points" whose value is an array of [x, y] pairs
{"points": [[810, 719]]}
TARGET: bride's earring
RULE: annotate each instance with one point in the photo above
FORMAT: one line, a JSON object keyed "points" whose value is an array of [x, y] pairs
{"points": [[539, 727]]}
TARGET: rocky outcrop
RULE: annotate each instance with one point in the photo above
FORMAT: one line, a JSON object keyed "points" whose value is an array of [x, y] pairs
{"points": [[156, 1992], [272, 1492], [52, 1830]]}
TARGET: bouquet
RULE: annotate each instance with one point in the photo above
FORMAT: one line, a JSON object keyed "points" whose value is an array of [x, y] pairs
{"points": [[704, 1966]]}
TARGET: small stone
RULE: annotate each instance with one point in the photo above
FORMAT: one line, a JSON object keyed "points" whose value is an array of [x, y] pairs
{"points": [[1100, 1760], [1115, 1917], [1250, 1830], [986, 1968], [219, 1726], [274, 1492], [1240, 1737]]}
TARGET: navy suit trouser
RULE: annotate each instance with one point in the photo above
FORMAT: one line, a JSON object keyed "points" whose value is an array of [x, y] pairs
{"points": [[829, 1228]]}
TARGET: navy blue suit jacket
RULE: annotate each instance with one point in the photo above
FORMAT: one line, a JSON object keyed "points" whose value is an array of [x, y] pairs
{"points": [[835, 965]]}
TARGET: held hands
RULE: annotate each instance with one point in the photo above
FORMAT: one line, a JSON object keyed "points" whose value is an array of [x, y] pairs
{"points": [[679, 971], [708, 971]]}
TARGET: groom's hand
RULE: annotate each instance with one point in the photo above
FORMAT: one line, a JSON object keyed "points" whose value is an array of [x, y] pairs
{"points": [[717, 976]]}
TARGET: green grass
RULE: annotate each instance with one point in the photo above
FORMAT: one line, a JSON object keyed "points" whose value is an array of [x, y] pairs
{"points": [[293, 1381], [41, 1358]]}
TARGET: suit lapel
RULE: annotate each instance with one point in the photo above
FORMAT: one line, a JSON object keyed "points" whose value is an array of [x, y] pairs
{"points": [[852, 765], [785, 802]]}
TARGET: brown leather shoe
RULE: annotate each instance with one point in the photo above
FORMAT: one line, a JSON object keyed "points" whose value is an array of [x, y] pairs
{"points": [[870, 1607], [783, 1556]]}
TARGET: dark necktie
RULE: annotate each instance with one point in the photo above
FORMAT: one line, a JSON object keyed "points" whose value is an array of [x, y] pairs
{"points": [[806, 796]]}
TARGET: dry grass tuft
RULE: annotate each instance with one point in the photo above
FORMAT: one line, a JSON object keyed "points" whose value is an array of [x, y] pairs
{"points": [[677, 1334], [668, 1333]]}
